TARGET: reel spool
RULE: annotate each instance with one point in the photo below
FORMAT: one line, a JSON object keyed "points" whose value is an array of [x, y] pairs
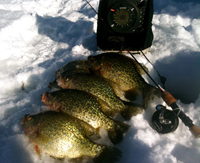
{"points": [[164, 121]]}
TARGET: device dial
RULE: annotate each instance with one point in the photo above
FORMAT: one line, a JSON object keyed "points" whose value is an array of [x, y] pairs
{"points": [[122, 17]]}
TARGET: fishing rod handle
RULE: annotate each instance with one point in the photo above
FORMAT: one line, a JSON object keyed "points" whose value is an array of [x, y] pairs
{"points": [[171, 101], [168, 98], [195, 131], [185, 119]]}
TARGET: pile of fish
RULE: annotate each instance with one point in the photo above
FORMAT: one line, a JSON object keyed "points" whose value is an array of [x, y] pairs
{"points": [[86, 96]]}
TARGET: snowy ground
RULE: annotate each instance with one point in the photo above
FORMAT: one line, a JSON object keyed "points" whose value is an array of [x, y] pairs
{"points": [[37, 37]]}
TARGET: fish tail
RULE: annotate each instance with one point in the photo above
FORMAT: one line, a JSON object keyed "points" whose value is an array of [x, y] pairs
{"points": [[108, 155], [148, 94], [116, 133], [131, 109], [131, 94]]}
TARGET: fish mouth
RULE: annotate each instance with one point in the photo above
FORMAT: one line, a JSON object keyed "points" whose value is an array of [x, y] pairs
{"points": [[24, 119], [60, 81], [90, 59], [50, 85]]}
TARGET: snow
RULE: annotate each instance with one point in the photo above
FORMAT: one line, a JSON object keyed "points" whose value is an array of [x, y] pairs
{"points": [[37, 37]]}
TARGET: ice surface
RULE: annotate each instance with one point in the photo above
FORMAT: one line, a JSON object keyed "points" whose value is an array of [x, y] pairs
{"points": [[38, 37]]}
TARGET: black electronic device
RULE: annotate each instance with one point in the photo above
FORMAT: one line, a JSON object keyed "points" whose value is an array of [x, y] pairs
{"points": [[125, 24]]}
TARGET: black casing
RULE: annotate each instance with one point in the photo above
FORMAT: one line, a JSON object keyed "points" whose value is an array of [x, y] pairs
{"points": [[138, 36]]}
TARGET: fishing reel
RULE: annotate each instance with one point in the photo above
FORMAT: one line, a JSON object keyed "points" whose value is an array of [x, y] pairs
{"points": [[164, 121]]}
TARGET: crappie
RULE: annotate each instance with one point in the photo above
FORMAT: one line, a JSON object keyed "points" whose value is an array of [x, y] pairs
{"points": [[61, 135], [76, 66], [86, 107], [101, 88], [124, 71]]}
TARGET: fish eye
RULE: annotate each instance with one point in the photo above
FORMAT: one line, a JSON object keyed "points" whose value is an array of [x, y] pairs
{"points": [[29, 117]]}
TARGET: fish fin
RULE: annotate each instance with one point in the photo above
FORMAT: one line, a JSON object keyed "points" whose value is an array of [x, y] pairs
{"points": [[44, 97], [132, 94], [118, 89], [131, 110], [141, 71], [94, 137], [106, 108], [109, 155], [85, 159], [56, 107], [37, 150], [91, 132], [116, 133], [56, 158], [149, 93]]}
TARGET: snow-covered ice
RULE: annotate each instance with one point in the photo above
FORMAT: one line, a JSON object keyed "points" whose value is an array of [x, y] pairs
{"points": [[37, 37]]}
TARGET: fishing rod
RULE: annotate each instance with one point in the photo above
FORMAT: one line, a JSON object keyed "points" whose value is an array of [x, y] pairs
{"points": [[171, 101], [162, 78], [166, 96]]}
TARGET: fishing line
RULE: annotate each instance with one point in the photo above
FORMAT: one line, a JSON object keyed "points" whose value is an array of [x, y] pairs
{"points": [[91, 7], [162, 79], [143, 68]]}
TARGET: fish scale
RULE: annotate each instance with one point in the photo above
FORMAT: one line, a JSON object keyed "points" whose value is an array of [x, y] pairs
{"points": [[98, 86], [61, 135], [125, 72], [122, 70], [86, 107]]}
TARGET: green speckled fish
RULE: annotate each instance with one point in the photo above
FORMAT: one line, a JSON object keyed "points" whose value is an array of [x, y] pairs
{"points": [[76, 66], [61, 135], [124, 71], [100, 87], [86, 107]]}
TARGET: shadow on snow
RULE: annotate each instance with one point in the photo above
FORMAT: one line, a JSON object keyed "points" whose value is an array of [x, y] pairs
{"points": [[182, 71], [62, 30]]}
